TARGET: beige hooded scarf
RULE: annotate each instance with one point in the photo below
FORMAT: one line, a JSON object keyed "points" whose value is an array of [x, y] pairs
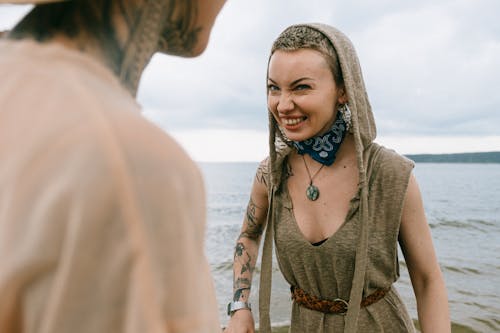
{"points": [[364, 131]]}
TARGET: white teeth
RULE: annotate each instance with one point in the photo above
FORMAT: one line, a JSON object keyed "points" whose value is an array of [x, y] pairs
{"points": [[293, 121]]}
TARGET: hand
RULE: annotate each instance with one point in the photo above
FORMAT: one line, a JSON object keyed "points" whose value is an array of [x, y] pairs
{"points": [[241, 322]]}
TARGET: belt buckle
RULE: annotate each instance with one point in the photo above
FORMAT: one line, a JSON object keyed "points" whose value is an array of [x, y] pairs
{"points": [[344, 302]]}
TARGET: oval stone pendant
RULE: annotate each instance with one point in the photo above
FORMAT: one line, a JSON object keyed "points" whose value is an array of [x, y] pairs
{"points": [[312, 192]]}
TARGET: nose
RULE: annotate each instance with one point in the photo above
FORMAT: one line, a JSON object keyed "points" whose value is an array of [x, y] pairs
{"points": [[285, 103]]}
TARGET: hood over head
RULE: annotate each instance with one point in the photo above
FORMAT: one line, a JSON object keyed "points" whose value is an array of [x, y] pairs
{"points": [[364, 131], [363, 123]]}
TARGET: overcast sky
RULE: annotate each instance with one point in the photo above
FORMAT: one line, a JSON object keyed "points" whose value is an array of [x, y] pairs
{"points": [[432, 70]]}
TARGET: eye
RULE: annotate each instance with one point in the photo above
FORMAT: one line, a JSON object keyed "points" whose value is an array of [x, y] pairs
{"points": [[302, 87], [272, 88]]}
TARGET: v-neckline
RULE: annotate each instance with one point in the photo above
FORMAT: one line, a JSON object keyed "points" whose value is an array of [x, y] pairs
{"points": [[353, 206]]}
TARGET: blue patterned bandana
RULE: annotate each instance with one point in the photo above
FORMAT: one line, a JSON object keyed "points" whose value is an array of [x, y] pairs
{"points": [[323, 148]]}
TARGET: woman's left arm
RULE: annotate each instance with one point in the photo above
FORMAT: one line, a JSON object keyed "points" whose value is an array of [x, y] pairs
{"points": [[426, 277]]}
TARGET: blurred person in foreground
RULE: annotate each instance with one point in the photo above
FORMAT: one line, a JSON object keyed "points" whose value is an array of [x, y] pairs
{"points": [[334, 203], [101, 213]]}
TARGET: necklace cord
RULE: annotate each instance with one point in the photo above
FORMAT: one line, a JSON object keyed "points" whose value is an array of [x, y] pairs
{"points": [[308, 173]]}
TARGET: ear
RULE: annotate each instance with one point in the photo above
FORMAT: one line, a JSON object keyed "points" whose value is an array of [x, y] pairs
{"points": [[342, 99]]}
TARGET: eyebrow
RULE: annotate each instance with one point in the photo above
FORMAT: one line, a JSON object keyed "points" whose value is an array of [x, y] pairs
{"points": [[294, 82]]}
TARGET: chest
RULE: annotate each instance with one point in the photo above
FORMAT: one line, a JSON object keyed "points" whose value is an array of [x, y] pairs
{"points": [[337, 186]]}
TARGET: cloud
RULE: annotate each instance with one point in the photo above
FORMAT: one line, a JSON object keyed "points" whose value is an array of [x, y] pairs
{"points": [[208, 145], [432, 69], [10, 15], [226, 85]]}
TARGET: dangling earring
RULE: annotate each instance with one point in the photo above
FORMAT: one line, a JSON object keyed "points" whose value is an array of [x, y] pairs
{"points": [[346, 115]]}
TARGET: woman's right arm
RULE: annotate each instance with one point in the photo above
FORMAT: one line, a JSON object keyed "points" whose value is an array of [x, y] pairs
{"points": [[247, 250]]}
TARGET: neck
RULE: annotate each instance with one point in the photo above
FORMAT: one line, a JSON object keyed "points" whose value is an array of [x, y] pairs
{"points": [[347, 150], [123, 35]]}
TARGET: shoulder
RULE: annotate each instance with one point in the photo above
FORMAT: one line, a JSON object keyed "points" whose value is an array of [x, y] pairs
{"points": [[151, 161], [385, 162], [264, 166], [90, 128], [388, 173], [263, 174], [48, 75], [130, 156]]}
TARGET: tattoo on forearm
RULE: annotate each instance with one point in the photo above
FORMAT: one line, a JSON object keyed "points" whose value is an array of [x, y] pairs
{"points": [[238, 250], [239, 254], [247, 266], [239, 293], [242, 283]]}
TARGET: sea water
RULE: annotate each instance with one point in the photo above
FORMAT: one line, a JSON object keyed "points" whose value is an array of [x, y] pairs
{"points": [[462, 204]]}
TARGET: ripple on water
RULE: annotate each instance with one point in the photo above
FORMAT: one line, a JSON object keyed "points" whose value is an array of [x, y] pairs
{"points": [[469, 224], [462, 270], [223, 266], [490, 324]]}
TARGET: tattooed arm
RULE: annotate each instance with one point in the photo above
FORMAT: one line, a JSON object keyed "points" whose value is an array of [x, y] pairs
{"points": [[247, 249]]}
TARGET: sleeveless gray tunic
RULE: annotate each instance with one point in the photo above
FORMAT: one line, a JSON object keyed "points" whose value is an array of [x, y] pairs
{"points": [[326, 271]]}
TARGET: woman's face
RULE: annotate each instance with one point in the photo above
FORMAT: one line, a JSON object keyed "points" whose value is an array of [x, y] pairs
{"points": [[301, 93]]}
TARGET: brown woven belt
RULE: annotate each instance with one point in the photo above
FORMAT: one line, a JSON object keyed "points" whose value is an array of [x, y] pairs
{"points": [[337, 306]]}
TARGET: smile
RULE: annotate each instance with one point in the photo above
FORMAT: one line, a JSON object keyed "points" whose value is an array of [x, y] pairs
{"points": [[293, 121]]}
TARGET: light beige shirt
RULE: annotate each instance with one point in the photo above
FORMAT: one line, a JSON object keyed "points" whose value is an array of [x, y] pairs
{"points": [[101, 213]]}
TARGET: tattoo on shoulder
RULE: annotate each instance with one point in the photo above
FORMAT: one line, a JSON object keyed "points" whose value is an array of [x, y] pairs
{"points": [[263, 173]]}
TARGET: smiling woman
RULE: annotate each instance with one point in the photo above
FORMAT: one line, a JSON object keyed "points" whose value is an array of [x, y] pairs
{"points": [[334, 203]]}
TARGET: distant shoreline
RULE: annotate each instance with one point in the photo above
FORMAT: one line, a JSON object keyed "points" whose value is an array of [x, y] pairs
{"points": [[483, 157], [479, 157]]}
